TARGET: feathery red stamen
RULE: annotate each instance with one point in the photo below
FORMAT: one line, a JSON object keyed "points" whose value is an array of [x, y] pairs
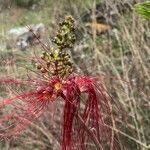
{"points": [[87, 109]]}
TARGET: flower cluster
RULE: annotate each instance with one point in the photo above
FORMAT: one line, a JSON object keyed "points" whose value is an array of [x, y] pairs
{"points": [[87, 111]]}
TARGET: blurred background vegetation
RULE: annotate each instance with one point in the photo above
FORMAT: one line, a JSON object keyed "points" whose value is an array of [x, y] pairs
{"points": [[113, 41]]}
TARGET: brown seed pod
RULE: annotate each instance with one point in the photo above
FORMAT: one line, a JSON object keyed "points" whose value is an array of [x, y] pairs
{"points": [[48, 64], [38, 66], [43, 70]]}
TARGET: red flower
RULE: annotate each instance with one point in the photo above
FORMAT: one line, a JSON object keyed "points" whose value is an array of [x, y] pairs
{"points": [[87, 111], [32, 104]]}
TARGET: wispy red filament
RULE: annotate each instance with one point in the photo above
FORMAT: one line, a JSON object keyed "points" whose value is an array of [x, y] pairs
{"points": [[94, 109], [71, 90], [87, 109]]}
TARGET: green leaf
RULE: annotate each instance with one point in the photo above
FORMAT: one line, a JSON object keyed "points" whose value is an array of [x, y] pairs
{"points": [[143, 9]]}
